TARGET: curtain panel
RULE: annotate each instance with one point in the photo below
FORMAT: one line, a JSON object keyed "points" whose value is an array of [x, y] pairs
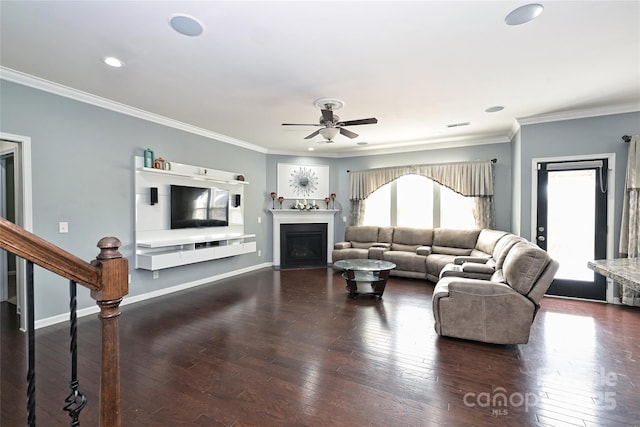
{"points": [[470, 179], [630, 227]]}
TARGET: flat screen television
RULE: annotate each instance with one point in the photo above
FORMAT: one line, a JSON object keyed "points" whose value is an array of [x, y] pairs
{"points": [[199, 207]]}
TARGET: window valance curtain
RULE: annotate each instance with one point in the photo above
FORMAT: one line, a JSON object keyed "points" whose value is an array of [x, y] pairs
{"points": [[471, 179]]}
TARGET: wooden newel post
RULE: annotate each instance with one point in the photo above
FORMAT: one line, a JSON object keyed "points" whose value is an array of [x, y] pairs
{"points": [[114, 275]]}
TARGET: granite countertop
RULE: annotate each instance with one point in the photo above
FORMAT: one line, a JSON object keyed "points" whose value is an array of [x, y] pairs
{"points": [[623, 270]]}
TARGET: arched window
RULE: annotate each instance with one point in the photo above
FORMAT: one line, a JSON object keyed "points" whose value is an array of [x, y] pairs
{"points": [[417, 201]]}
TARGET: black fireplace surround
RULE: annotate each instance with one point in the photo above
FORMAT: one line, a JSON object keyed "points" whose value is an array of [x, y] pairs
{"points": [[303, 245]]}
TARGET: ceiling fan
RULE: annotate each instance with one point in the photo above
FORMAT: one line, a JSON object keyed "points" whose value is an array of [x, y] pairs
{"points": [[331, 123]]}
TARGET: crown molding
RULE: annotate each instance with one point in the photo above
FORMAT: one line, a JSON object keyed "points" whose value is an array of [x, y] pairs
{"points": [[580, 114], [57, 89]]}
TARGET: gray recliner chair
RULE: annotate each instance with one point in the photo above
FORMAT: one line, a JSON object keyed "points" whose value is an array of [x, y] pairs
{"points": [[500, 310]]}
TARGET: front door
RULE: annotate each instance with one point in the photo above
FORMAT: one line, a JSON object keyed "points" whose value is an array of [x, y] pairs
{"points": [[572, 223]]}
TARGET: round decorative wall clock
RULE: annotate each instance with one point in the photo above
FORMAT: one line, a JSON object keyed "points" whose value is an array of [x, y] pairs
{"points": [[303, 182]]}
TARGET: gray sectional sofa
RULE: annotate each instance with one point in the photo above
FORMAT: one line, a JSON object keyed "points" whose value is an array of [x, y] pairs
{"points": [[418, 253], [488, 282]]}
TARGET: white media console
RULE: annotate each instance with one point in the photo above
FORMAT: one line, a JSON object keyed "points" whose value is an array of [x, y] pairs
{"points": [[158, 246]]}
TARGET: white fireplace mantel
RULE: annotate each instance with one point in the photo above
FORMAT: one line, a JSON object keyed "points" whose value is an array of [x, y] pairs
{"points": [[294, 216]]}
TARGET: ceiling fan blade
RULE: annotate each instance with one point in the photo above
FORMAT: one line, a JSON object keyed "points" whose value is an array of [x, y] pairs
{"points": [[348, 133], [301, 124], [327, 115], [369, 121], [312, 135]]}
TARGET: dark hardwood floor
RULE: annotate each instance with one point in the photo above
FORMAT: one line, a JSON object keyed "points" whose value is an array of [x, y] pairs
{"points": [[289, 348]]}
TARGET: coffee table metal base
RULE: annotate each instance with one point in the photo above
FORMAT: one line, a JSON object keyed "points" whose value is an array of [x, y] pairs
{"points": [[365, 276], [366, 282]]}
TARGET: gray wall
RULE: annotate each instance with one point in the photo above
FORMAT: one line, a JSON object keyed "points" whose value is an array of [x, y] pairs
{"points": [[596, 135], [83, 173], [339, 180]]}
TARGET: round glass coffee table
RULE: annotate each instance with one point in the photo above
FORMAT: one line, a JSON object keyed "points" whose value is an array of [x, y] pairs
{"points": [[365, 276]]}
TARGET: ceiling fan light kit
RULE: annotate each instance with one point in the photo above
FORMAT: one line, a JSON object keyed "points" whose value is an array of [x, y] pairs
{"points": [[329, 133], [330, 123]]}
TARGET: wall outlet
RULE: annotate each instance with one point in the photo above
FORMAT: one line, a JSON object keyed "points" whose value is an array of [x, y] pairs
{"points": [[63, 227], [344, 219], [156, 274], [259, 252], [259, 220]]}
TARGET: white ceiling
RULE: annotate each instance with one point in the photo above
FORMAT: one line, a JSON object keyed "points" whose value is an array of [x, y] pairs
{"points": [[416, 66]]}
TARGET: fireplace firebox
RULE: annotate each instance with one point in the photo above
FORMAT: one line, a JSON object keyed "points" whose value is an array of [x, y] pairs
{"points": [[303, 245]]}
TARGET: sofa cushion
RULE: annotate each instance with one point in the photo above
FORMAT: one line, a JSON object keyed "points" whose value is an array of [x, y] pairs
{"points": [[479, 254], [407, 261], [385, 234], [404, 248], [362, 245], [450, 251], [503, 247], [455, 238], [523, 265], [361, 233], [488, 238], [436, 262], [413, 236], [350, 253]]}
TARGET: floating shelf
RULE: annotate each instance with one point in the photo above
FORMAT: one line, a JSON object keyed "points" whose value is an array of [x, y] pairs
{"points": [[202, 177]]}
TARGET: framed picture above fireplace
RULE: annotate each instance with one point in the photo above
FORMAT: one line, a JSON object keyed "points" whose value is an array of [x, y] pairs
{"points": [[303, 181]]}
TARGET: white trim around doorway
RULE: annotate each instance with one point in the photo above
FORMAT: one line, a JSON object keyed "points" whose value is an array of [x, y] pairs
{"points": [[611, 183], [24, 214]]}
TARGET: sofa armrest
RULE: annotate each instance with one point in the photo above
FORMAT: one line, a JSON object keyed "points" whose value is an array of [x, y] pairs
{"points": [[476, 287], [474, 267], [377, 252], [342, 245], [424, 250], [459, 260]]}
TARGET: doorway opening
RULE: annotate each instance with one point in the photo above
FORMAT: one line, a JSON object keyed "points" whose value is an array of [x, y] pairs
{"points": [[572, 219], [16, 206]]}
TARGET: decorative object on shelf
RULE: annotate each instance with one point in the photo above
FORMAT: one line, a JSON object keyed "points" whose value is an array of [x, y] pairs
{"points": [[240, 177], [326, 200], [273, 200], [158, 163], [305, 205], [309, 182], [204, 171], [333, 197], [148, 158], [166, 165], [281, 199]]}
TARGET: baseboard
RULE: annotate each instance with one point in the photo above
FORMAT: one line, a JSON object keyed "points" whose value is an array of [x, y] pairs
{"points": [[42, 323]]}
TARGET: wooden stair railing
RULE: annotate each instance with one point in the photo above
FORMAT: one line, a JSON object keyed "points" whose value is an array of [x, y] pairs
{"points": [[106, 277]]}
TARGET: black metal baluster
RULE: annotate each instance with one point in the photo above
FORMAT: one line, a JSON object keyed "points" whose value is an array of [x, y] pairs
{"points": [[31, 349], [76, 400]]}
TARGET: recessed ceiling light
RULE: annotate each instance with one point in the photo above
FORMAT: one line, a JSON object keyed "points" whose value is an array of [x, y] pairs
{"points": [[187, 25], [524, 14], [112, 61], [310, 148], [456, 125], [494, 109]]}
